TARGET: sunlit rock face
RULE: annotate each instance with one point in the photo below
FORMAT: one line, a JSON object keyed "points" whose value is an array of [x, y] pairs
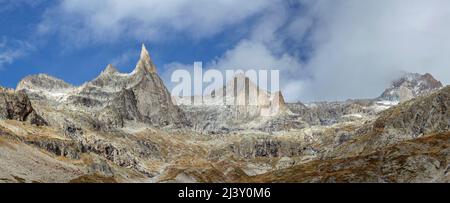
{"points": [[113, 98], [15, 105], [409, 86], [126, 127], [239, 104]]}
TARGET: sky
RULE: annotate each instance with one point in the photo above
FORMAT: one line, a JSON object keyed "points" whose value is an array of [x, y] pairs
{"points": [[325, 49]]}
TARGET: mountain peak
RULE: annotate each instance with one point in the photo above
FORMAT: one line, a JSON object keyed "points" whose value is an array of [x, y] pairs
{"points": [[42, 82], [145, 63], [431, 80], [144, 53], [411, 85], [110, 69]]}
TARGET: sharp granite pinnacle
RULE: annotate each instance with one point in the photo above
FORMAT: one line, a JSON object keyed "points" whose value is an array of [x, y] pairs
{"points": [[145, 62], [125, 127], [110, 69]]}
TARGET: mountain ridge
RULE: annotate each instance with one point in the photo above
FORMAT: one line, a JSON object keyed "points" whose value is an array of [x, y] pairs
{"points": [[124, 127], [410, 85]]}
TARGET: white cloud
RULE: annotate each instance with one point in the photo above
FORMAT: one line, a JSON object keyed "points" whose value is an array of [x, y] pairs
{"points": [[359, 46], [84, 21], [10, 50], [354, 48], [125, 58], [168, 69], [81, 22], [255, 55], [265, 49]]}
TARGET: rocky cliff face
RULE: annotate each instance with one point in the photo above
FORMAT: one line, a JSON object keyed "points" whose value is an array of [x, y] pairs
{"points": [[44, 87], [406, 143], [422, 160], [422, 116], [330, 113], [418, 117], [16, 106], [238, 105], [409, 86], [123, 127], [112, 99]]}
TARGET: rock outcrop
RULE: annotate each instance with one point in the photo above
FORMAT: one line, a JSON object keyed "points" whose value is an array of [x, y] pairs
{"points": [[239, 104], [409, 86], [110, 100], [257, 147], [421, 116], [410, 120], [124, 127], [44, 87], [418, 161], [140, 95], [16, 106]]}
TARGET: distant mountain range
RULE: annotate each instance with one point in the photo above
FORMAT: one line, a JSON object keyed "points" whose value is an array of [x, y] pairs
{"points": [[127, 127]]}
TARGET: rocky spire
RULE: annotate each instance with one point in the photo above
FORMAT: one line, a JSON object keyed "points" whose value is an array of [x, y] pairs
{"points": [[145, 63], [409, 86], [110, 69], [105, 76]]}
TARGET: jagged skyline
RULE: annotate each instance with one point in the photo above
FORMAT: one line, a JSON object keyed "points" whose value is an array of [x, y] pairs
{"points": [[229, 91], [322, 51], [146, 64], [124, 128]]}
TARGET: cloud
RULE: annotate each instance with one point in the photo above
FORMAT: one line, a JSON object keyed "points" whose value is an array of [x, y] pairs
{"points": [[265, 48], [256, 55], [125, 58], [168, 69], [325, 49], [359, 46], [354, 49], [10, 50], [80, 22], [86, 21]]}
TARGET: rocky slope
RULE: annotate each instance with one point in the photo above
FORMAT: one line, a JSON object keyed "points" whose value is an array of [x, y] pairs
{"points": [[109, 101], [240, 104], [17, 106], [409, 86], [124, 127], [406, 143], [422, 160], [409, 120]]}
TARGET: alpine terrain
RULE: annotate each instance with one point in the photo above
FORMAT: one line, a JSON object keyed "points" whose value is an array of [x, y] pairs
{"points": [[127, 127]]}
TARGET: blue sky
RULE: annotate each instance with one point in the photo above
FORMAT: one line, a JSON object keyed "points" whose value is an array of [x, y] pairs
{"points": [[77, 64], [325, 49]]}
